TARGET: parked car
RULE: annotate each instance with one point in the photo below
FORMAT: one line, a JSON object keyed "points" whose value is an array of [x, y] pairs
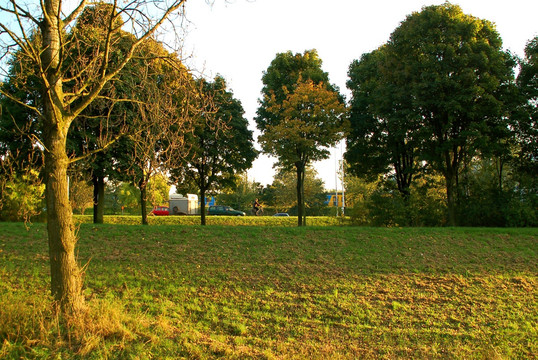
{"points": [[281, 214], [160, 211], [224, 210]]}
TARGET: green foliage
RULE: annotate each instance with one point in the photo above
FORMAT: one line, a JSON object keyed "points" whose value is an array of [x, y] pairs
{"points": [[242, 196], [311, 119], [379, 203], [221, 145], [128, 195], [21, 196], [276, 292], [380, 138], [158, 190], [300, 116], [18, 124], [284, 192], [527, 117], [435, 93], [493, 197], [483, 201], [285, 72]]}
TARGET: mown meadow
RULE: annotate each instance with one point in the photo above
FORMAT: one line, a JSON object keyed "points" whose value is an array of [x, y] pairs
{"points": [[275, 292]]}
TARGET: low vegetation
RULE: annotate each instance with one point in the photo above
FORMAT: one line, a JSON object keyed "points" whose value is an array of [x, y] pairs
{"points": [[276, 293], [217, 220]]}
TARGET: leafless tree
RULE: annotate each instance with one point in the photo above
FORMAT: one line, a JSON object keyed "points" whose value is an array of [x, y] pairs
{"points": [[66, 91], [167, 101]]}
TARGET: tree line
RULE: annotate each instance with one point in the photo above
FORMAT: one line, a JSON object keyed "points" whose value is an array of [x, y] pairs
{"points": [[440, 98], [153, 118]]}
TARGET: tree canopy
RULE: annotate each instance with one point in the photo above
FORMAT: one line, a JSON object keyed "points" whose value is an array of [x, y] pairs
{"points": [[527, 122], [221, 145], [444, 80], [300, 116], [380, 137]]}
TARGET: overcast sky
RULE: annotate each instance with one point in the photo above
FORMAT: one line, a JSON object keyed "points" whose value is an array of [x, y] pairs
{"points": [[238, 40]]}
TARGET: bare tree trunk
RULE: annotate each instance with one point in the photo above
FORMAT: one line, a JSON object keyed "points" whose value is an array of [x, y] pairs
{"points": [[300, 192], [143, 200], [451, 201], [66, 277], [98, 199], [202, 206], [500, 165], [303, 196]]}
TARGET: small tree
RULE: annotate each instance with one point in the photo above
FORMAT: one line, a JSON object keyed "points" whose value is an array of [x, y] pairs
{"points": [[160, 120], [21, 191], [221, 145], [242, 195], [80, 194], [158, 190], [310, 119]]}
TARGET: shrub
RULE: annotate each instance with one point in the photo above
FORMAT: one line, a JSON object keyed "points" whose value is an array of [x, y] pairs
{"points": [[22, 198]]}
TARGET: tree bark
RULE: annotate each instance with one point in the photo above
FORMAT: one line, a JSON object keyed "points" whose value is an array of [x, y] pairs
{"points": [[202, 205], [300, 193], [202, 186], [66, 275], [143, 200], [98, 199], [451, 201]]}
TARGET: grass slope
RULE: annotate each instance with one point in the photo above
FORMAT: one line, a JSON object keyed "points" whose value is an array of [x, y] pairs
{"points": [[277, 293]]}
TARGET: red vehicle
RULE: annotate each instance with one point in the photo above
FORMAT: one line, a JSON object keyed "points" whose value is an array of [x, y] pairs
{"points": [[160, 211]]}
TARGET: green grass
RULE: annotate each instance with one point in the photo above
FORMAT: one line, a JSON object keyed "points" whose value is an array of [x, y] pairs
{"points": [[277, 293]]}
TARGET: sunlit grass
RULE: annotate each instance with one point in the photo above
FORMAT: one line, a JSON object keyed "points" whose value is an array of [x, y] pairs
{"points": [[277, 293]]}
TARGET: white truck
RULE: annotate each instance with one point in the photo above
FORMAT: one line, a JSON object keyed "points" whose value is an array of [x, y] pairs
{"points": [[183, 205]]}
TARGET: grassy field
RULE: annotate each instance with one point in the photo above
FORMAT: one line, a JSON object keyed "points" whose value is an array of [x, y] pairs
{"points": [[167, 292]]}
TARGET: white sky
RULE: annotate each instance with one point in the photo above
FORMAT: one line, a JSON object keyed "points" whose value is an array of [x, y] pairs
{"points": [[238, 40]]}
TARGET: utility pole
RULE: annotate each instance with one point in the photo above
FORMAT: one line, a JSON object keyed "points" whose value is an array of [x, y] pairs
{"points": [[336, 180]]}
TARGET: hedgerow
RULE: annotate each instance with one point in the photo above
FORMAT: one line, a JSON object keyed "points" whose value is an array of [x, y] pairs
{"points": [[216, 220]]}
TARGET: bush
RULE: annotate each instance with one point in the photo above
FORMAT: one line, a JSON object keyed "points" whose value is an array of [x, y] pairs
{"points": [[22, 197], [386, 206]]}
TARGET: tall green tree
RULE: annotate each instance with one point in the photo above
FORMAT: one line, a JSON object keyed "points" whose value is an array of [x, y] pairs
{"points": [[221, 146], [282, 77], [300, 116], [67, 88], [527, 121], [453, 68], [380, 138]]}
